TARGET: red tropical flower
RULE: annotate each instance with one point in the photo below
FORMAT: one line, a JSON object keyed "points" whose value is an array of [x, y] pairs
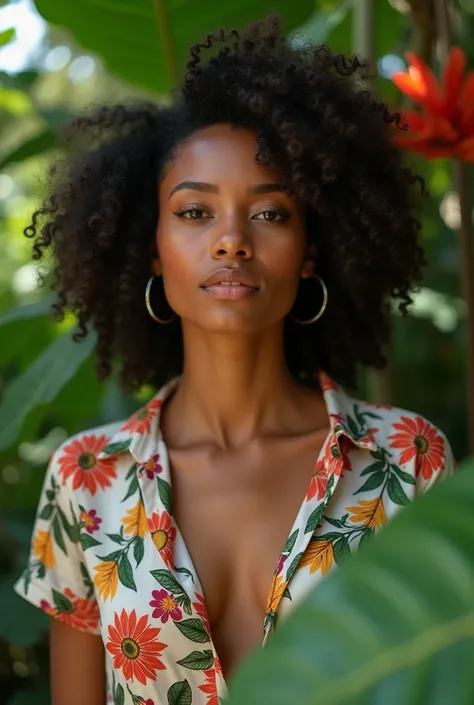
{"points": [[134, 647], [445, 125], [163, 535], [79, 459], [91, 521], [416, 438], [165, 606], [140, 422]]}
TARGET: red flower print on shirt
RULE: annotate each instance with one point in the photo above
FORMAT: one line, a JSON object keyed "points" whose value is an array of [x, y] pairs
{"points": [[82, 613], [333, 462], [91, 521], [163, 535], [165, 606], [134, 647], [417, 438], [210, 687], [200, 608], [152, 467], [140, 422], [79, 459]]}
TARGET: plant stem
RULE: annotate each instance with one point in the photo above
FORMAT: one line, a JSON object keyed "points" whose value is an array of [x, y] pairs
{"points": [[466, 231], [381, 384], [164, 31]]}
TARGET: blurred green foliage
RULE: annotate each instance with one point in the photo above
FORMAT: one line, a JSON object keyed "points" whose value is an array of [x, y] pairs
{"points": [[48, 388]]}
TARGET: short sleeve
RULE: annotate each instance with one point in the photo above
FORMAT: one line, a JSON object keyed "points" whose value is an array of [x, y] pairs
{"points": [[56, 578], [436, 463]]}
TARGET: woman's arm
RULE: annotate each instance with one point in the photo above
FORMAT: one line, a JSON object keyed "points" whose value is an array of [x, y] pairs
{"points": [[77, 666]]}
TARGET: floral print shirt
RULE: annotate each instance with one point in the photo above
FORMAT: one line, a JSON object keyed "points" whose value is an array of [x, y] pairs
{"points": [[107, 556]]}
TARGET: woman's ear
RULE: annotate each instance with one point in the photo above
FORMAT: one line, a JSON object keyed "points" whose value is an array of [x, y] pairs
{"points": [[307, 270], [156, 267]]}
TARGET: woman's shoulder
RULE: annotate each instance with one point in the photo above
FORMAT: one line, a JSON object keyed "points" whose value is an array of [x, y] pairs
{"points": [[405, 439]]}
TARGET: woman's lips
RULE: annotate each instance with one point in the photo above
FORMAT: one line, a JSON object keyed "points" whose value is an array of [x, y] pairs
{"points": [[231, 292]]}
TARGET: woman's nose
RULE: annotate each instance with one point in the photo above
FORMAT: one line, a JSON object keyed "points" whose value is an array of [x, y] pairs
{"points": [[233, 244]]}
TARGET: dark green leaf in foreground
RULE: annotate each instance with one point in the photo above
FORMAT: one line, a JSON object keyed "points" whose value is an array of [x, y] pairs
{"points": [[40, 383], [393, 626]]}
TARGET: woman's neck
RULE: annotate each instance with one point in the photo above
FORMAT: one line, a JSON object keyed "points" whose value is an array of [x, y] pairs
{"points": [[233, 389]]}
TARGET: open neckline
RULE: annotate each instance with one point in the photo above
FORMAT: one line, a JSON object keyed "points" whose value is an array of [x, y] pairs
{"points": [[299, 521]]}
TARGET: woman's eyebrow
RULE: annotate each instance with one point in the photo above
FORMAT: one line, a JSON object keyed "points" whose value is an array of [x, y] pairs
{"points": [[212, 188]]}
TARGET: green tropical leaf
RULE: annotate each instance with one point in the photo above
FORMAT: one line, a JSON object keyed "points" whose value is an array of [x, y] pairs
{"points": [[375, 467], [147, 42], [132, 488], [193, 629], [198, 660], [374, 481], [168, 581], [88, 541], [164, 488], [117, 538], [399, 614], [46, 512], [289, 545], [138, 550], [125, 572], [118, 447], [115, 555], [293, 565], [341, 548], [396, 491], [119, 697], [57, 534], [40, 383], [404, 476], [314, 518], [63, 603], [180, 694]]}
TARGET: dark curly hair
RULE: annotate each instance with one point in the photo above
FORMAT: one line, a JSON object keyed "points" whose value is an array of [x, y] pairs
{"points": [[318, 128]]}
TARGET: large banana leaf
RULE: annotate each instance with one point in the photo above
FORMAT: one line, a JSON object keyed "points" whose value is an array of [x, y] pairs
{"points": [[393, 626], [146, 42]]}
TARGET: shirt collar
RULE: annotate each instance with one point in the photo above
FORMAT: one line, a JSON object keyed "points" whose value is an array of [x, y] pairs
{"points": [[141, 433]]}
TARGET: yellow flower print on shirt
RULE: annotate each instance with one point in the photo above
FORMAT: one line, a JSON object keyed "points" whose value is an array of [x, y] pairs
{"points": [[135, 521], [369, 512], [106, 579], [43, 548], [276, 593], [319, 556]]}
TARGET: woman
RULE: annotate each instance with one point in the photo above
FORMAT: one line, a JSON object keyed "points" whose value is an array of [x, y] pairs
{"points": [[238, 250]]}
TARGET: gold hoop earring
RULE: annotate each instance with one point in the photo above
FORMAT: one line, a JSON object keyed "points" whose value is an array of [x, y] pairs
{"points": [[149, 306], [321, 310]]}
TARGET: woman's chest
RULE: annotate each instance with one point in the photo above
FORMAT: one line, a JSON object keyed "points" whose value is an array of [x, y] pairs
{"points": [[171, 600]]}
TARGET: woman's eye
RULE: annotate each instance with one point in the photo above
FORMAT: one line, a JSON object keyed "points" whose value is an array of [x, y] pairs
{"points": [[271, 215], [193, 213]]}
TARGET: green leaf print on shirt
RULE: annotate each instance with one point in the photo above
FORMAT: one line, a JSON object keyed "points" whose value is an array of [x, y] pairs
{"points": [[180, 693], [198, 660], [194, 629]]}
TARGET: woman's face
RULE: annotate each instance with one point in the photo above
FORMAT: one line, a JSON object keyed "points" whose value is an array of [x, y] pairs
{"points": [[231, 245]]}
